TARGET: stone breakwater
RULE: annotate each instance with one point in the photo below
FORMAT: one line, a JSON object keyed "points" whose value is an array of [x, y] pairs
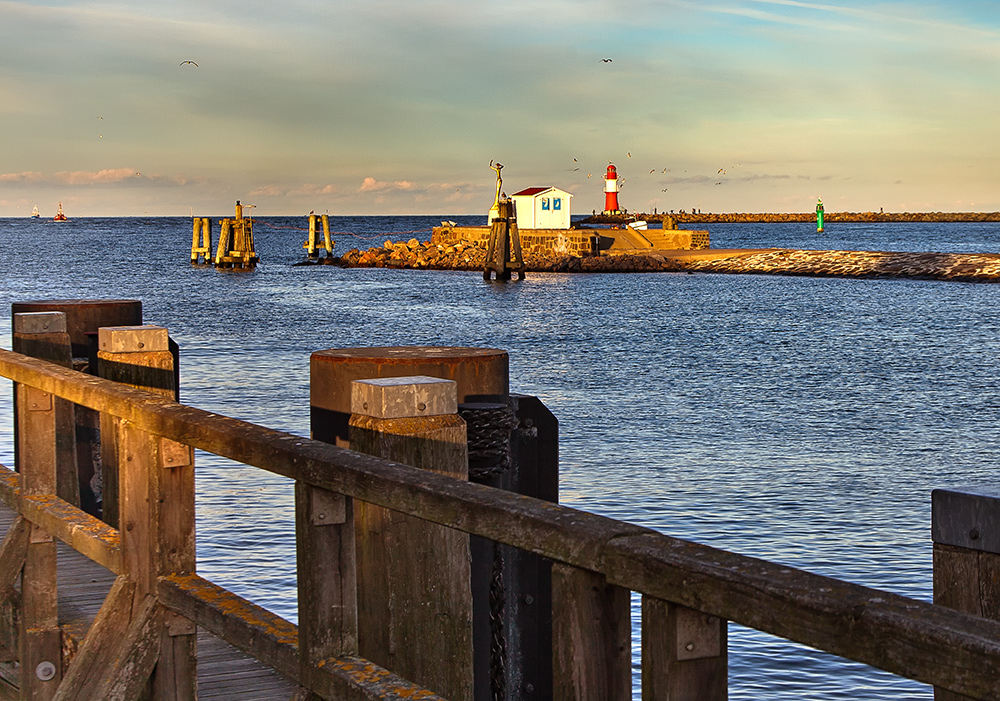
{"points": [[963, 267], [959, 267], [771, 217]]}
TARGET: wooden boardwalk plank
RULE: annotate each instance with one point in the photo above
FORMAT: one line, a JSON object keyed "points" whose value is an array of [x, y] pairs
{"points": [[223, 671]]}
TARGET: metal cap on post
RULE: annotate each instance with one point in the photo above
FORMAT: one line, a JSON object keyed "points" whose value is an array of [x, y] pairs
{"points": [[40, 322], [404, 397]]}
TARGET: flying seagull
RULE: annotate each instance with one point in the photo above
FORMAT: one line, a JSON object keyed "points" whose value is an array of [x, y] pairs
{"points": [[605, 60], [191, 62]]}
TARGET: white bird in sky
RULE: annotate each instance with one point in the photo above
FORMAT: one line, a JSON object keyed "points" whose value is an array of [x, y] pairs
{"points": [[191, 62]]}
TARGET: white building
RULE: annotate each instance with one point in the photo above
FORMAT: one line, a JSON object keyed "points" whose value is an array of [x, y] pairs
{"points": [[542, 208]]}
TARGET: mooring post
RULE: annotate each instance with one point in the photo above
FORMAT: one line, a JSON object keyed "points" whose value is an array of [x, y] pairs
{"points": [[414, 590], [482, 375], [684, 653], [965, 528], [37, 456], [83, 318], [138, 356], [43, 335], [592, 637]]}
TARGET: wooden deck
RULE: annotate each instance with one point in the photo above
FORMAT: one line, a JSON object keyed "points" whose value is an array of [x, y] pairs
{"points": [[224, 672]]}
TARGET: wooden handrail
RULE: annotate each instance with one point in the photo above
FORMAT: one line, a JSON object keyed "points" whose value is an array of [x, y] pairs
{"points": [[911, 638]]}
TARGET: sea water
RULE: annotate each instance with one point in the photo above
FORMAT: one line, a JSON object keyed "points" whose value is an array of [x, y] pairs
{"points": [[801, 420]]}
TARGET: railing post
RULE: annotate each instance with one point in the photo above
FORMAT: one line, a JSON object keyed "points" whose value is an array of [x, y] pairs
{"points": [[414, 589], [684, 653], [138, 356], [154, 488], [327, 578], [43, 335], [592, 639], [41, 640], [965, 527]]}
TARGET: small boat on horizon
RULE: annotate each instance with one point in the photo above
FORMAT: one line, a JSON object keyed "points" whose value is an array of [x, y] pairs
{"points": [[35, 213], [59, 215]]}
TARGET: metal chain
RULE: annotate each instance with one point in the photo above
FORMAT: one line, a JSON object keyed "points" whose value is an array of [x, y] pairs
{"points": [[498, 640], [488, 428]]}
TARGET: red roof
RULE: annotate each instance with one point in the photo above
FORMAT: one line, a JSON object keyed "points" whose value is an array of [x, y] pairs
{"points": [[531, 191]]}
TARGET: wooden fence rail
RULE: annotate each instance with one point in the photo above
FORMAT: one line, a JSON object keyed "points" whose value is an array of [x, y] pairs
{"points": [[689, 590]]}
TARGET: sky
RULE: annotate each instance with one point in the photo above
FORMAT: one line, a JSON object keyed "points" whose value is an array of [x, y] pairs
{"points": [[383, 107]]}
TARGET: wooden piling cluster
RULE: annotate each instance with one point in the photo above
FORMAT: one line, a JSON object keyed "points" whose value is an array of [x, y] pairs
{"points": [[313, 244], [141, 642], [236, 244], [201, 240], [503, 250]]}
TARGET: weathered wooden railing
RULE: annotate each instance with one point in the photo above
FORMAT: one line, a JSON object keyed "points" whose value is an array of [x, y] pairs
{"points": [[689, 591]]}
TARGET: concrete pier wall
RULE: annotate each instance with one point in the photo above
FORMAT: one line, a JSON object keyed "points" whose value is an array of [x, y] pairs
{"points": [[538, 242]]}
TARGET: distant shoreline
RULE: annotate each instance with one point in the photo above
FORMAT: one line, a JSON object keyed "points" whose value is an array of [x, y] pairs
{"points": [[770, 218]]}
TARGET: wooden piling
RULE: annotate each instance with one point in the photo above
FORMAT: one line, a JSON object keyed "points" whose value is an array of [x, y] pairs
{"points": [[966, 555], [327, 240], [414, 590], [43, 335], [138, 356], [482, 375], [311, 243]]}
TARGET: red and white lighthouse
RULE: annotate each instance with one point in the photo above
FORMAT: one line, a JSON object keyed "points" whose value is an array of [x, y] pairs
{"points": [[611, 191]]}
